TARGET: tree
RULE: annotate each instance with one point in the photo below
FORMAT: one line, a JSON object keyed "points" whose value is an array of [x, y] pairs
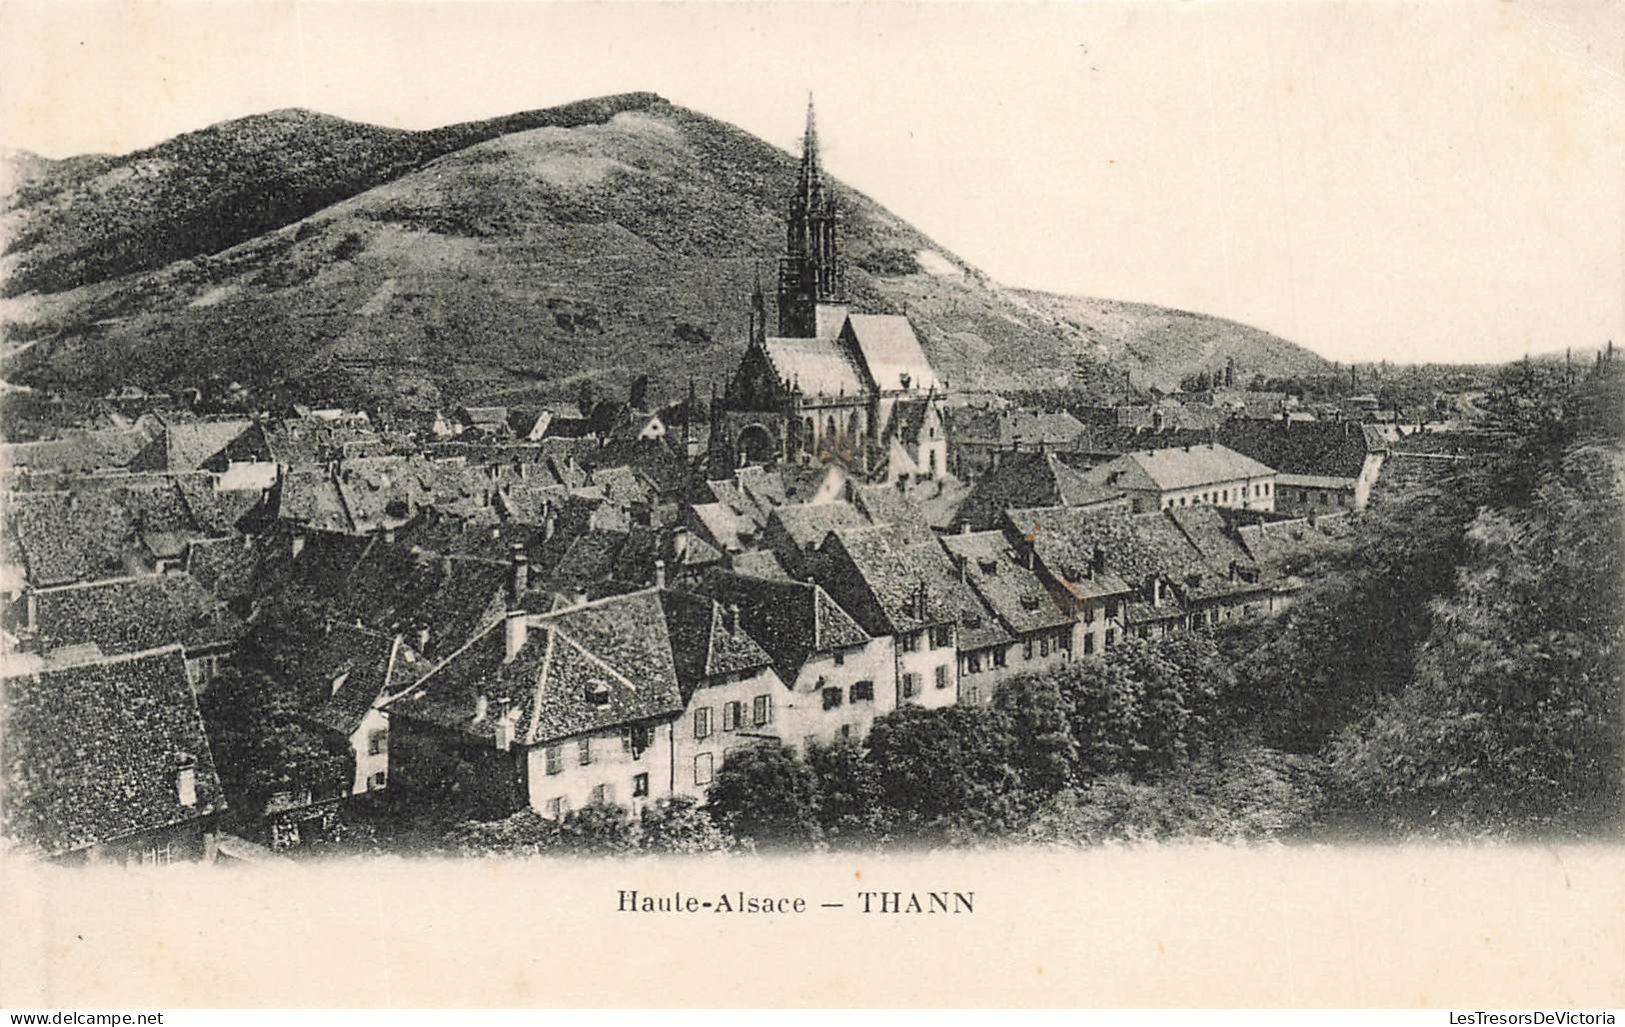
{"points": [[525, 833], [946, 769], [765, 793], [601, 829], [1512, 721], [679, 825], [849, 795], [1044, 749]]}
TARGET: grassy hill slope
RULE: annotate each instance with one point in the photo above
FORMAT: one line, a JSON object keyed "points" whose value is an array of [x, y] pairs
{"points": [[349, 263]]}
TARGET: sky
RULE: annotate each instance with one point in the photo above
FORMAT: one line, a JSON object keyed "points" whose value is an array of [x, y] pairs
{"points": [[1410, 182]]}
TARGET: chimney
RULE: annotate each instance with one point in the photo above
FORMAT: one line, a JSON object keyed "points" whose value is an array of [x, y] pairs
{"points": [[514, 630], [445, 567], [964, 527], [496, 532], [550, 520], [31, 614], [679, 544], [423, 639], [1156, 590], [964, 566], [502, 726], [1235, 570], [185, 779], [730, 618], [1028, 552], [298, 542], [518, 572], [388, 532]]}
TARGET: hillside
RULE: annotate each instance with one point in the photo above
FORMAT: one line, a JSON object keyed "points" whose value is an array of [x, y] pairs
{"points": [[350, 263]]}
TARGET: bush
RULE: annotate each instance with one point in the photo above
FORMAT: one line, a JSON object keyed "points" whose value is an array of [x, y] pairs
{"points": [[767, 794]]}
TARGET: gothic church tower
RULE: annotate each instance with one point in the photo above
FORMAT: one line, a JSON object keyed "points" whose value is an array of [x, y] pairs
{"points": [[810, 271]]}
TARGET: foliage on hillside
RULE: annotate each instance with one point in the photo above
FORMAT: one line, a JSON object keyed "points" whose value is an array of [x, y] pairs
{"points": [[318, 260]]}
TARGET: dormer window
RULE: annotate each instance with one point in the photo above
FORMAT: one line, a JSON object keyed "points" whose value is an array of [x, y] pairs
{"points": [[597, 694]]}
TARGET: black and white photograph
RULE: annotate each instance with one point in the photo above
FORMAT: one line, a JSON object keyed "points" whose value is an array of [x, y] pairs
{"points": [[668, 441]]}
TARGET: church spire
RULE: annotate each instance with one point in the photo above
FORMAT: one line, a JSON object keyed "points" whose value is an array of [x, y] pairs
{"points": [[810, 272]]}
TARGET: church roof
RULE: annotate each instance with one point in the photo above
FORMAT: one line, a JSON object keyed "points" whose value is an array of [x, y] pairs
{"points": [[819, 367], [890, 349]]}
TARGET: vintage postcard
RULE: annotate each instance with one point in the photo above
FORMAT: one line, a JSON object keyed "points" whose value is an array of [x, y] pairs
{"points": [[815, 504]]}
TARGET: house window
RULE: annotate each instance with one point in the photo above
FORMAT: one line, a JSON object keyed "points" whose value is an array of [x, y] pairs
{"points": [[584, 751], [603, 795], [635, 740], [942, 676], [702, 722], [1043, 646], [1063, 639], [1088, 644], [973, 694], [832, 698], [840, 659], [1088, 614], [1110, 639], [557, 807], [909, 642], [378, 742], [998, 657], [640, 786], [1027, 649], [910, 686], [846, 731], [863, 691], [942, 637], [377, 781], [158, 855], [762, 710], [730, 716], [555, 759], [973, 663], [702, 769]]}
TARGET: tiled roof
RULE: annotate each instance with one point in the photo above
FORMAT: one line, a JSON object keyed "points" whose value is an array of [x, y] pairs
{"points": [[394, 588], [227, 567], [1328, 448], [134, 614], [791, 619], [644, 652], [759, 563], [1030, 479], [1178, 468], [880, 578], [890, 349], [818, 367], [802, 526], [80, 451], [1313, 481], [1009, 588], [1008, 426], [886, 504], [189, 445], [1284, 547], [652, 459], [367, 667], [91, 752], [98, 532]]}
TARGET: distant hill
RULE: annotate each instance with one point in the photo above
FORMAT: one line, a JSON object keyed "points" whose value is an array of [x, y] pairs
{"points": [[350, 263]]}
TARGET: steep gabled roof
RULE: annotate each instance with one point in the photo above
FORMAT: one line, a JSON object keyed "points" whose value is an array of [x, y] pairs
{"points": [[1031, 479], [889, 349], [818, 367], [1178, 468], [361, 667], [129, 615], [1011, 590], [91, 752], [881, 577], [792, 620]]}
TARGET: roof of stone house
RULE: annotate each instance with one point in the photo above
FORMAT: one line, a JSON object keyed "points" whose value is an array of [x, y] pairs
{"points": [[227, 567], [792, 620], [643, 652], [1005, 427], [804, 525], [79, 451], [360, 668], [1030, 479], [396, 589], [91, 752], [1314, 481], [187, 446], [129, 615], [1178, 468], [722, 526], [653, 459], [220, 512], [1330, 448], [1005, 584], [889, 349], [623, 484], [1063, 538], [759, 563], [818, 367], [634, 562], [308, 496], [881, 577], [91, 533], [493, 417]]}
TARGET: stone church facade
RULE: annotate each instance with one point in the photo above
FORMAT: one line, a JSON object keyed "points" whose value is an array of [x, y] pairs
{"points": [[828, 385]]}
